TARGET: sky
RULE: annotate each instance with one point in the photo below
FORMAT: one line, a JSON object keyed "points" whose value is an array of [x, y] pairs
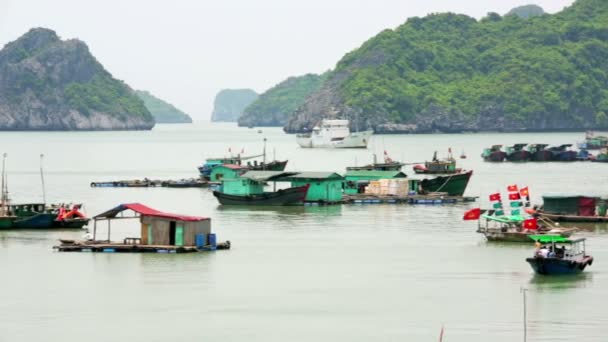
{"points": [[185, 51]]}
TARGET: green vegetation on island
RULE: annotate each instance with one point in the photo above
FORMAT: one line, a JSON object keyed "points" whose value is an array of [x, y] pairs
{"points": [[229, 104], [162, 111], [452, 73], [276, 105], [51, 84]]}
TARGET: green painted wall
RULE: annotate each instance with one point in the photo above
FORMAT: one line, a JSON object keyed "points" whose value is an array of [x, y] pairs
{"points": [[321, 190], [220, 172], [241, 186]]}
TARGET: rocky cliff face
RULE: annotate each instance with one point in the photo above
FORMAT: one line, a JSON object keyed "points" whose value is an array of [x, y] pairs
{"points": [[162, 111], [527, 11], [229, 104], [452, 73], [50, 84]]}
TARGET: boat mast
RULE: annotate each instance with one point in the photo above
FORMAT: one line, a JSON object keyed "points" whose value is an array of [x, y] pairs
{"points": [[4, 185], [264, 160], [42, 179]]}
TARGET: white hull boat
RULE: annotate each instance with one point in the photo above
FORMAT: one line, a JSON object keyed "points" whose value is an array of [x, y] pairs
{"points": [[334, 134]]}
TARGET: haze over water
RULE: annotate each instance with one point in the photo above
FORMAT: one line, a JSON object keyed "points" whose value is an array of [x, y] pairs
{"points": [[338, 273]]}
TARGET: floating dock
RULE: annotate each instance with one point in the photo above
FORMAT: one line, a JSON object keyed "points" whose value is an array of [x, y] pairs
{"points": [[410, 199], [116, 247], [150, 183]]}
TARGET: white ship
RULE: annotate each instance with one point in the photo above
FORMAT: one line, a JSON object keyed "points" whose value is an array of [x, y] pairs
{"points": [[334, 134]]}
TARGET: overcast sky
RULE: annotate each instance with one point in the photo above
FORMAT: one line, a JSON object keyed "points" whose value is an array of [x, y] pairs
{"points": [[185, 51]]}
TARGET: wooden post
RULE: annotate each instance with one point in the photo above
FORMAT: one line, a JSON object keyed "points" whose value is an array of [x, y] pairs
{"points": [[523, 291], [109, 230]]}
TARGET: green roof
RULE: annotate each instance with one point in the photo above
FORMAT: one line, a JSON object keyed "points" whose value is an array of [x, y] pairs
{"points": [[567, 196], [315, 175], [374, 173], [262, 176], [505, 219], [549, 238]]}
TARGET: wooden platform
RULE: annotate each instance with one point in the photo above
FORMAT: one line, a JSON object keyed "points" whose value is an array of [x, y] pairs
{"points": [[410, 199], [116, 247]]}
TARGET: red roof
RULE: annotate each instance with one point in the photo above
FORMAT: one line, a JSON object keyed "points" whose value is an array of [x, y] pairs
{"points": [[147, 211]]}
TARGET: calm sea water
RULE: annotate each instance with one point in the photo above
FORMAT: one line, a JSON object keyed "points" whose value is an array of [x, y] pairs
{"points": [[342, 273]]}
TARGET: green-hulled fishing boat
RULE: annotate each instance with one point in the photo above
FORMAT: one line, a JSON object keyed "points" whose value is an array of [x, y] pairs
{"points": [[453, 185]]}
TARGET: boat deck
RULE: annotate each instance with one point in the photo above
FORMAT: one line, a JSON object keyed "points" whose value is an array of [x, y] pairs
{"points": [[410, 199]]}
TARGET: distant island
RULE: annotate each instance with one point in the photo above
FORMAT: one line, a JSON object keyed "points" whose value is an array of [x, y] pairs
{"points": [[526, 71], [274, 107], [230, 103], [51, 84], [162, 111]]}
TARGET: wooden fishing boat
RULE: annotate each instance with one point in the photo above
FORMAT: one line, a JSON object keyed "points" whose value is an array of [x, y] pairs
{"points": [[437, 166], [557, 255], [248, 189], [539, 152], [388, 165], [32, 216], [494, 154], [601, 157], [563, 153], [288, 196], [453, 185], [517, 152], [513, 229], [594, 142], [572, 208], [186, 183]]}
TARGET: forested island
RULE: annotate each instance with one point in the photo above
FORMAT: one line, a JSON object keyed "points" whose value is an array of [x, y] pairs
{"points": [[453, 73], [274, 107], [51, 84], [162, 111], [229, 104]]}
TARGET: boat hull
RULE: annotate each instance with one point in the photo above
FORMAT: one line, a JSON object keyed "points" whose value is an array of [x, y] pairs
{"points": [[573, 218], [519, 156], [377, 167], [555, 266], [290, 196], [505, 235], [36, 221], [7, 222], [543, 155], [71, 223], [496, 156], [272, 166], [353, 140], [454, 185]]}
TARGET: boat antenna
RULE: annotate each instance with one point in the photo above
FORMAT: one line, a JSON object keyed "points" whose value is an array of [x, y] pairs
{"points": [[523, 291], [264, 160], [42, 179]]}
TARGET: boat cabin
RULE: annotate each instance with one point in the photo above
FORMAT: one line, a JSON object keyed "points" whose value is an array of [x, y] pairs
{"points": [[227, 171], [574, 205], [252, 182], [159, 232], [324, 187], [356, 181], [557, 246]]}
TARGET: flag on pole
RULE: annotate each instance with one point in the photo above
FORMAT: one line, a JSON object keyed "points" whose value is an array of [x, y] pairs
{"points": [[531, 224], [497, 205], [514, 196], [512, 188], [495, 197], [524, 192], [472, 214], [516, 204], [500, 213]]}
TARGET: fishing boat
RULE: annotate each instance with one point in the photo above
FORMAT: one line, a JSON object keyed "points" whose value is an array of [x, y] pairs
{"points": [[601, 157], [516, 228], [248, 189], [494, 154], [593, 142], [517, 152], [452, 185], [32, 216], [438, 166], [388, 165], [563, 153], [186, 183], [463, 155], [539, 152], [334, 134], [557, 255], [6, 217]]}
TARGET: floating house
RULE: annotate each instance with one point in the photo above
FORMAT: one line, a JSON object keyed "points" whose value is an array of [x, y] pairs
{"points": [[356, 181], [160, 233], [323, 187], [226, 171], [574, 208]]}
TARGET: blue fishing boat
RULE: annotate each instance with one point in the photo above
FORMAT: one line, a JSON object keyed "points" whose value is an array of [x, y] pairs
{"points": [[557, 255]]}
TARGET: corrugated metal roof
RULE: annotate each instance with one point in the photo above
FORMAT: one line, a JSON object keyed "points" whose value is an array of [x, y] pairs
{"points": [[373, 173], [262, 176], [147, 211], [316, 175]]}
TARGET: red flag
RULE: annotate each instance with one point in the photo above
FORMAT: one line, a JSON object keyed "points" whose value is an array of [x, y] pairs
{"points": [[495, 197], [472, 214], [512, 188], [531, 224], [524, 192], [514, 196]]}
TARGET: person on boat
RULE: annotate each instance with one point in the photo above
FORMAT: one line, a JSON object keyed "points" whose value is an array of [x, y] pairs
{"points": [[543, 252]]}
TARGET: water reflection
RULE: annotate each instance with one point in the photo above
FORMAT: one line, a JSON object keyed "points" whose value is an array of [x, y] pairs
{"points": [[561, 282]]}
